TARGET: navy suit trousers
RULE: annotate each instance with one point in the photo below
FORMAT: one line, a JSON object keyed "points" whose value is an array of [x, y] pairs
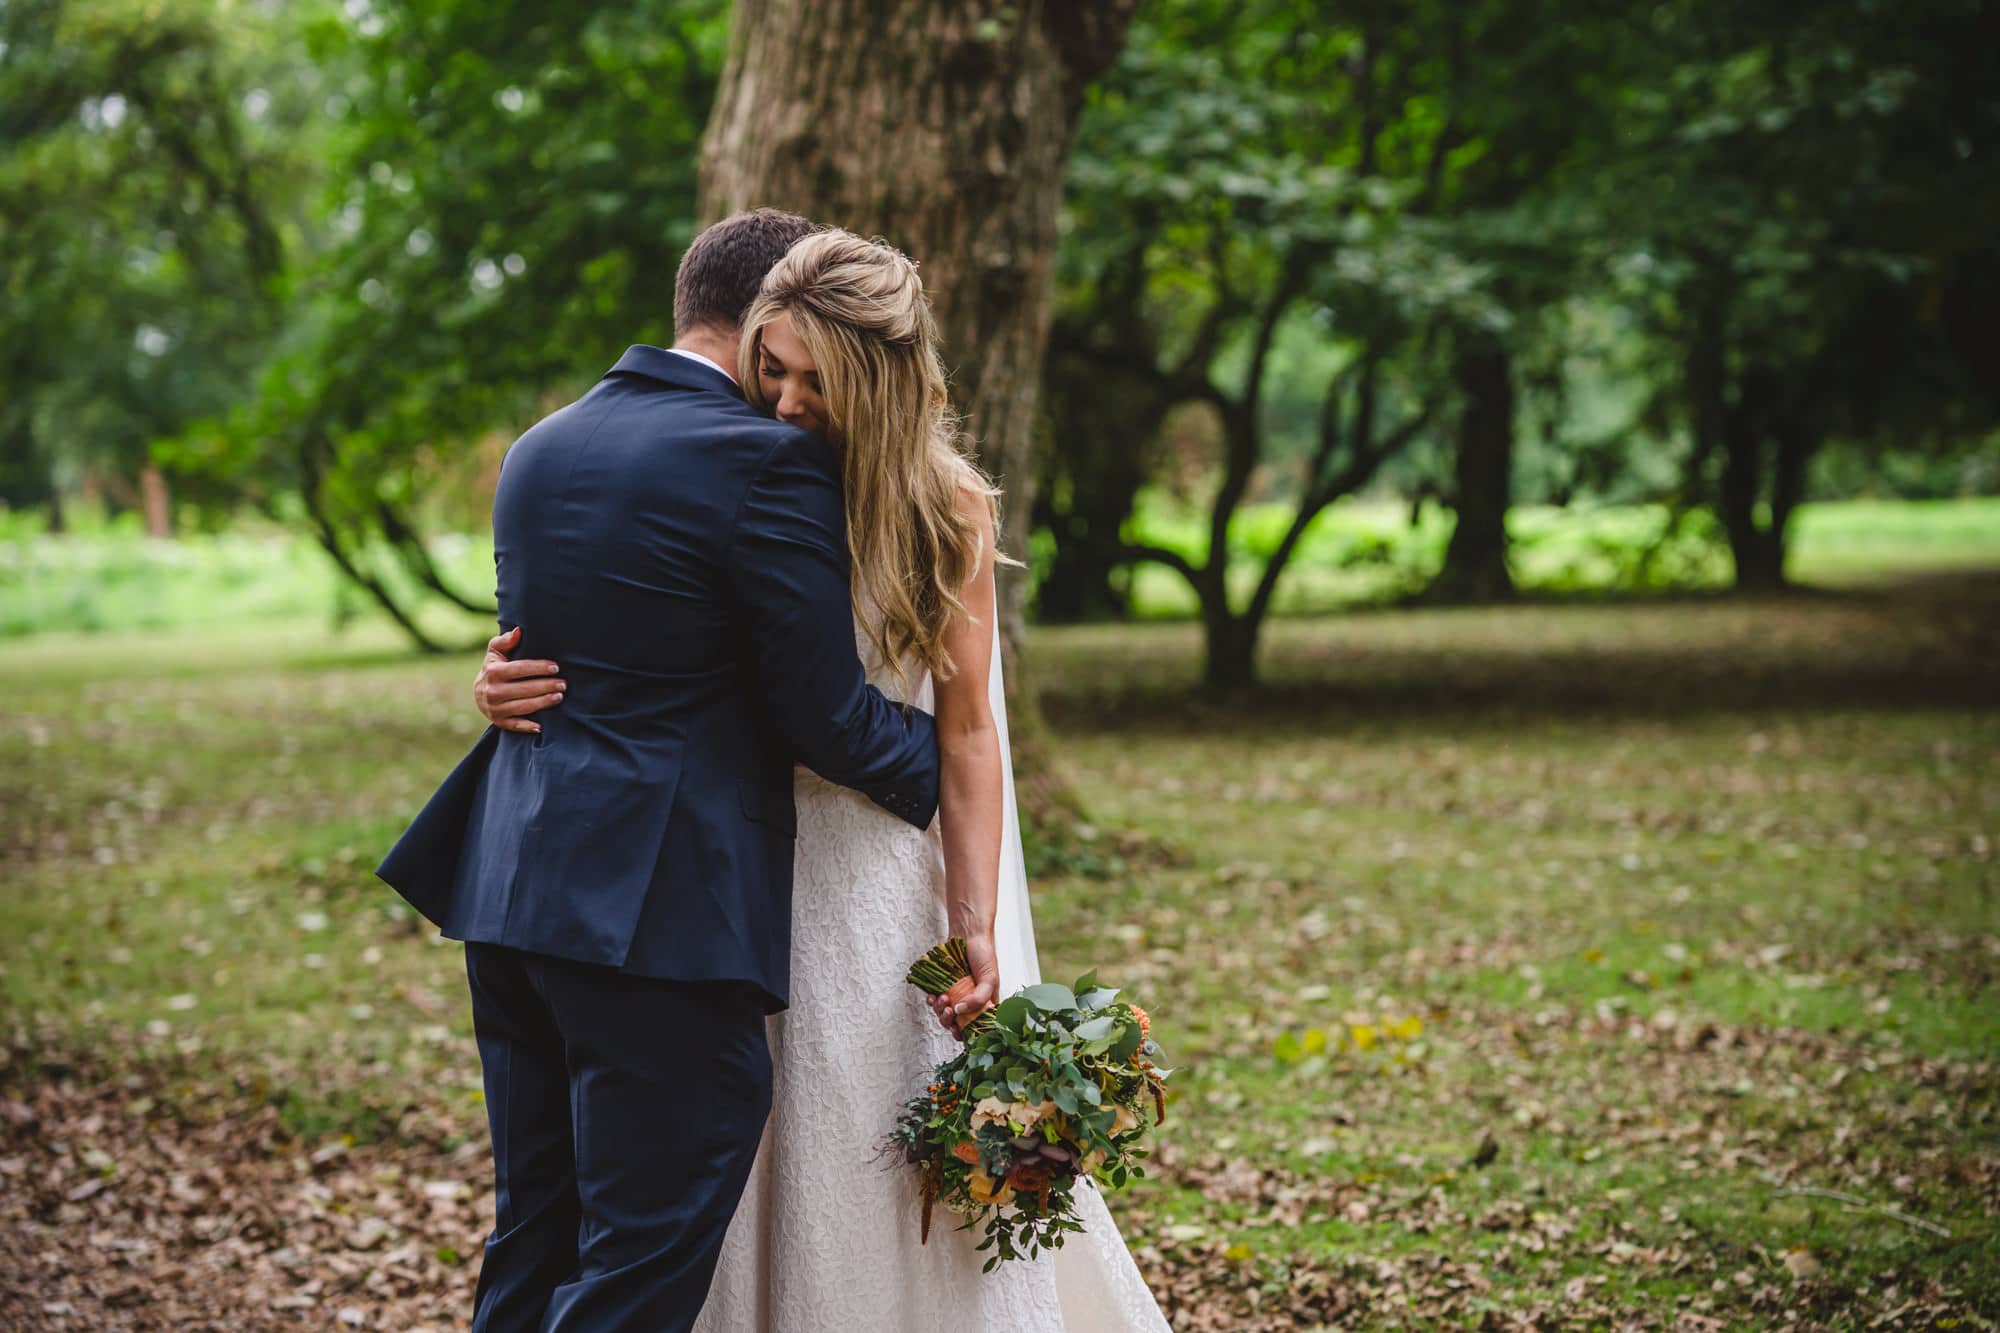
{"points": [[626, 1112]]}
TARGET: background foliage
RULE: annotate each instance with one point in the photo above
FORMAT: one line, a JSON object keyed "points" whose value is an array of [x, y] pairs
{"points": [[318, 264]]}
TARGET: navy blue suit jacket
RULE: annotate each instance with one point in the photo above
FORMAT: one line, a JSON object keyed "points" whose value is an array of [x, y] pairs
{"points": [[683, 559]]}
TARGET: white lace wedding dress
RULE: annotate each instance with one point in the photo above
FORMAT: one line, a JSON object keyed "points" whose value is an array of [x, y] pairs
{"points": [[826, 1237]]}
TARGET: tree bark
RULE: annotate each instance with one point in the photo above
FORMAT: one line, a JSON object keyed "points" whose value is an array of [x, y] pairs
{"points": [[1475, 563], [1759, 563], [1078, 587], [1797, 438], [1756, 547], [945, 127], [1725, 413], [156, 501], [1230, 664], [1779, 430], [1101, 441]]}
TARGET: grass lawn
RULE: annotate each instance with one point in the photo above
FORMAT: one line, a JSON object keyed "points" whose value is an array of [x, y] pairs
{"points": [[1625, 965]]}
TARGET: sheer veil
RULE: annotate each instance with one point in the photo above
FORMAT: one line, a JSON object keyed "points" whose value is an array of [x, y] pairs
{"points": [[1099, 1287], [1013, 926]]}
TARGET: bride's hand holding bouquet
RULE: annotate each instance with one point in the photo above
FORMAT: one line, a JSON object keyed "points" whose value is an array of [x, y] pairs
{"points": [[973, 993]]}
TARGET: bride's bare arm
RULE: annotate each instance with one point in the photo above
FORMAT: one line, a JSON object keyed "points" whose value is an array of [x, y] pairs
{"points": [[971, 798]]}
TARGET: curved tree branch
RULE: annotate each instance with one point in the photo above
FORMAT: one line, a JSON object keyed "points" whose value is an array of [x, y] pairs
{"points": [[410, 547], [1322, 490], [1160, 555], [311, 475]]}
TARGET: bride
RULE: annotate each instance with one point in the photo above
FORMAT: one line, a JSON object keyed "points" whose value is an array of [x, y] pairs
{"points": [[842, 341]]}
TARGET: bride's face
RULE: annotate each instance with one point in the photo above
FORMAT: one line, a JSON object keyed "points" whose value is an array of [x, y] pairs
{"points": [[791, 380]]}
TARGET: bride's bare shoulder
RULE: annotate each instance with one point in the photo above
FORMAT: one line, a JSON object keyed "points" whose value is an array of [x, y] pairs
{"points": [[976, 501]]}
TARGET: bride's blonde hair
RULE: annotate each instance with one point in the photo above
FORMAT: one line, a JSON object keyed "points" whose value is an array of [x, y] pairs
{"points": [[860, 309]]}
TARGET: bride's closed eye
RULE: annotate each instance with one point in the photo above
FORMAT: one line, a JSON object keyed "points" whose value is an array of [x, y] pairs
{"points": [[772, 370]]}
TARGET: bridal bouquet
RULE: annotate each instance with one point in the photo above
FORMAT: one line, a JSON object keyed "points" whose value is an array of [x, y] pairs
{"points": [[1054, 1084]]}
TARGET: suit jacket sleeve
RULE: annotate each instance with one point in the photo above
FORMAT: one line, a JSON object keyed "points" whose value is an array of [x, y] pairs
{"points": [[789, 564]]}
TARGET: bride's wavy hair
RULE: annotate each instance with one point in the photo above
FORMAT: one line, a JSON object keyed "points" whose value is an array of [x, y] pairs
{"points": [[860, 309]]}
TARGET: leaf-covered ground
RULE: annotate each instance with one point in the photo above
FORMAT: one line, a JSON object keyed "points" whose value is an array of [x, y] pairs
{"points": [[1582, 966]]}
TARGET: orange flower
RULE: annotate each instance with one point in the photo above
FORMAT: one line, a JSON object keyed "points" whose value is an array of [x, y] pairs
{"points": [[966, 1151], [1145, 1023]]}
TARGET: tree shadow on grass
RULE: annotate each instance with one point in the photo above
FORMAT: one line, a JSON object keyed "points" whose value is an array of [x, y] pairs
{"points": [[1918, 645]]}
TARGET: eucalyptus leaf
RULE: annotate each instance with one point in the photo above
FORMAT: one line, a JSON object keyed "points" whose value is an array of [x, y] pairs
{"points": [[1012, 1012], [1096, 1028], [1049, 996]]}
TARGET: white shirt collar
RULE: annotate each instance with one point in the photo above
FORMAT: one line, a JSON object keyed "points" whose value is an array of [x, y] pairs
{"points": [[697, 356]]}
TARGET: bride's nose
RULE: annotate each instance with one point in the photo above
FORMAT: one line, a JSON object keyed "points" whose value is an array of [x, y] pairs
{"points": [[791, 406]]}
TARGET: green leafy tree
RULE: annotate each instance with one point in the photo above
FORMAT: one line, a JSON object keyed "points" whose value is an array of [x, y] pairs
{"points": [[1528, 85], [512, 190], [1253, 171], [1792, 194], [148, 157]]}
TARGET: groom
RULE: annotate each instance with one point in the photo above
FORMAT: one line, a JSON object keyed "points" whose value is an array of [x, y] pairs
{"points": [[622, 876]]}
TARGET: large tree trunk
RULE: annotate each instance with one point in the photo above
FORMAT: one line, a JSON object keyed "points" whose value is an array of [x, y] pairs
{"points": [[156, 501], [1475, 563], [1780, 431], [1078, 588], [1731, 415], [1798, 437], [1102, 436], [944, 126], [1756, 547], [1229, 665], [1758, 558]]}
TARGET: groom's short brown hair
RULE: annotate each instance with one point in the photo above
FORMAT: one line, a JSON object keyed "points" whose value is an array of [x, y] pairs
{"points": [[725, 265]]}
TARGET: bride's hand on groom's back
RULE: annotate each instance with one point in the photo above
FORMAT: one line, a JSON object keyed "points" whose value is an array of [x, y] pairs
{"points": [[506, 692]]}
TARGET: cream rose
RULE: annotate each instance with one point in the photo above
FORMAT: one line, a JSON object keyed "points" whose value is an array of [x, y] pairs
{"points": [[1018, 1116]]}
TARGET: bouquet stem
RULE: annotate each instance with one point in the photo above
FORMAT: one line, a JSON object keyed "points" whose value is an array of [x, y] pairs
{"points": [[944, 967], [940, 969]]}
